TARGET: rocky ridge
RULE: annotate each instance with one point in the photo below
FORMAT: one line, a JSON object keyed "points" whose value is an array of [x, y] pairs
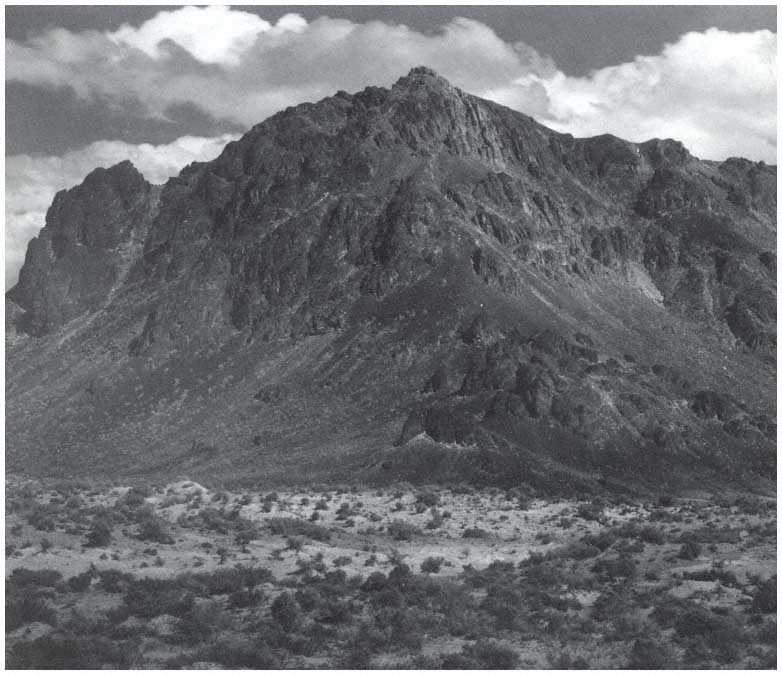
{"points": [[411, 280]]}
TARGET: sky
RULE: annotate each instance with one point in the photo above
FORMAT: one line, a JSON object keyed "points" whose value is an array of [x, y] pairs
{"points": [[89, 86]]}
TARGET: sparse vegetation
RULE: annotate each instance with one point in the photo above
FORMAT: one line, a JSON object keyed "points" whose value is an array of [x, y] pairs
{"points": [[612, 588]]}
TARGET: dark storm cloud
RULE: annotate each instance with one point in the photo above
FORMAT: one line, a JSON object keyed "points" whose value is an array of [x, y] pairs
{"points": [[54, 121]]}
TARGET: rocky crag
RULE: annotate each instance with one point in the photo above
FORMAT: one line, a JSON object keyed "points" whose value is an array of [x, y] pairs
{"points": [[405, 283]]}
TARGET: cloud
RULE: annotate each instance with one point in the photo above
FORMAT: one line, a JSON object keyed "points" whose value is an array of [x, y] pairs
{"points": [[715, 91], [31, 182], [214, 34], [236, 66]]}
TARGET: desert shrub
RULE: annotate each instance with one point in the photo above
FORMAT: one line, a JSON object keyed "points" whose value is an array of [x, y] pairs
{"points": [[610, 604], [345, 511], [651, 654], [665, 501], [135, 497], [578, 550], [491, 655], [114, 581], [294, 543], [401, 530], [153, 528], [22, 578], [592, 511], [400, 576], [707, 631], [505, 605], [652, 535], [668, 609], [405, 630], [240, 652], [610, 569], [436, 520], [66, 652], [358, 654], [544, 572], [428, 498], [245, 598], [335, 611], [690, 550], [568, 662], [475, 533], [99, 534], [767, 633], [294, 526], [42, 517], [603, 540], [627, 547], [713, 534], [222, 581], [335, 580], [377, 581], [148, 598], [307, 598], [663, 516], [202, 621], [752, 505], [210, 519], [21, 609], [432, 564], [765, 597], [286, 612], [699, 621], [246, 531], [342, 560], [81, 582], [725, 577]]}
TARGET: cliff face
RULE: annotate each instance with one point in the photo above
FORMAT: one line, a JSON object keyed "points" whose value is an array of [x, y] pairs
{"points": [[81, 256], [403, 278]]}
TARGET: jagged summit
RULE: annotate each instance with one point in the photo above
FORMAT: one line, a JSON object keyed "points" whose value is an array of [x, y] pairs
{"points": [[404, 282], [422, 76]]}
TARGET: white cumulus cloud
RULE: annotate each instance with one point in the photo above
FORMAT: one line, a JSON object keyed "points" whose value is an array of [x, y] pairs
{"points": [[715, 91]]}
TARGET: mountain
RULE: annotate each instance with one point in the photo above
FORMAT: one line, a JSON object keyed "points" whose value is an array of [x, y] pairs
{"points": [[405, 283]]}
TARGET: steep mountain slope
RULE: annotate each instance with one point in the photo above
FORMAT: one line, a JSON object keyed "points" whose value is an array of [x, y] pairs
{"points": [[410, 282]]}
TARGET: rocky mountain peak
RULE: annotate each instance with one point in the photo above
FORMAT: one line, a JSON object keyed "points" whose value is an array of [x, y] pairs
{"points": [[343, 254], [86, 246], [422, 77]]}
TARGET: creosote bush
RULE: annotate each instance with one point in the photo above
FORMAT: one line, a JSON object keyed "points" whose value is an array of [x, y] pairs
{"points": [[401, 530], [690, 550], [432, 564], [294, 526]]}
